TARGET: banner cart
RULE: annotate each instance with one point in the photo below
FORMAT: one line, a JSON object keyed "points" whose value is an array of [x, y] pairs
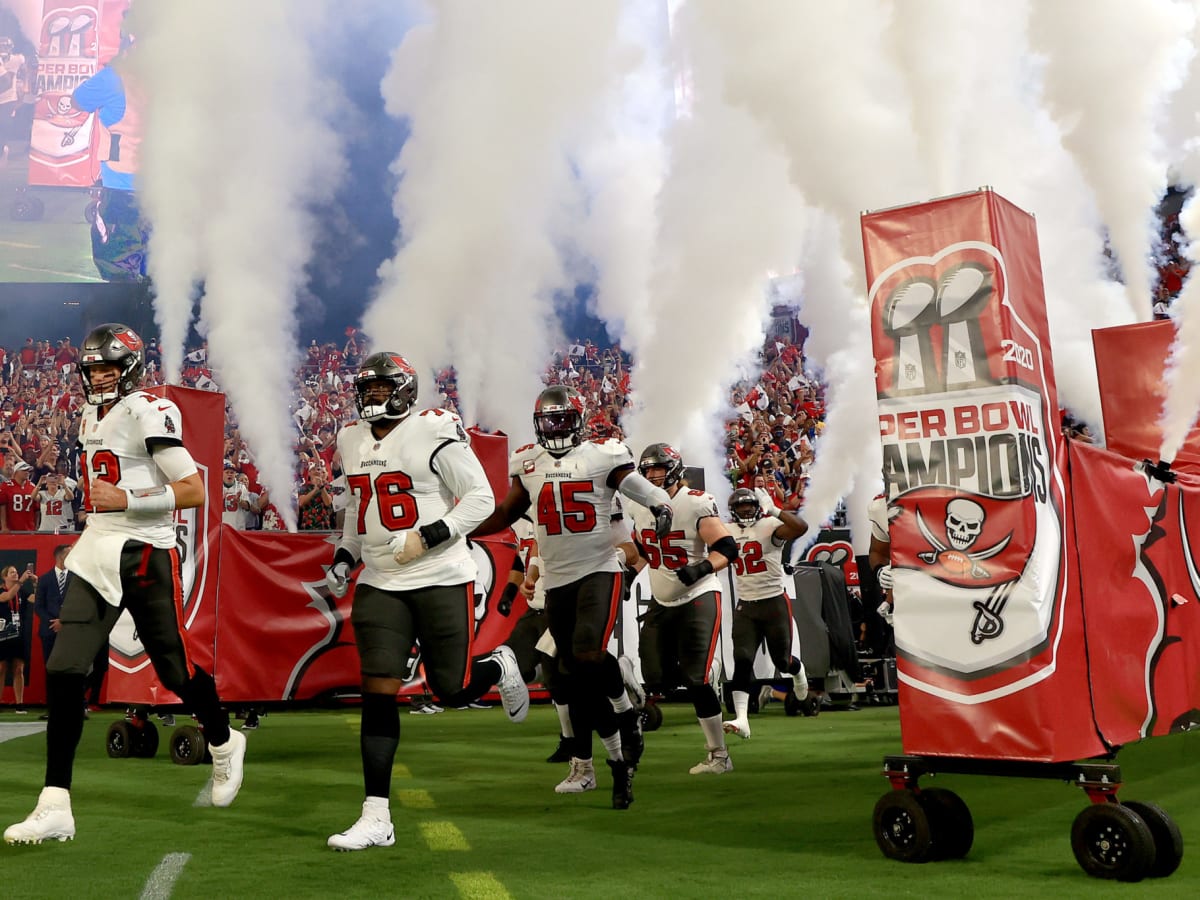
{"points": [[1016, 605]]}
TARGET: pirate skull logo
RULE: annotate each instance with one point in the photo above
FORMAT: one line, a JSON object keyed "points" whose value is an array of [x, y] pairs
{"points": [[964, 522]]}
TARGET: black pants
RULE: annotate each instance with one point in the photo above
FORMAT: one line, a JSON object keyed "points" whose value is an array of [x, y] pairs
{"points": [[755, 621], [441, 619], [680, 641], [152, 591]]}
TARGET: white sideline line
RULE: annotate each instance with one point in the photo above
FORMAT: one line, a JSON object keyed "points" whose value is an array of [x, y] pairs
{"points": [[162, 880], [9, 732]]}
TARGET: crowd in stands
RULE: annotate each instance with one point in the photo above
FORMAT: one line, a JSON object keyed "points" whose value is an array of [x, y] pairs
{"points": [[777, 419], [1173, 265]]}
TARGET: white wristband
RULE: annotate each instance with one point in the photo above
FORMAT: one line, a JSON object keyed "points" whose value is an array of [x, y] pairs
{"points": [[150, 500]]}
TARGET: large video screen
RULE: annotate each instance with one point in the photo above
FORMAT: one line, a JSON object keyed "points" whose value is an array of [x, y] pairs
{"points": [[63, 118]]}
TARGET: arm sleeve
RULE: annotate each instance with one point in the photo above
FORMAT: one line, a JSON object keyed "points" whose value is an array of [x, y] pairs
{"points": [[175, 462], [351, 541], [461, 471], [639, 490]]}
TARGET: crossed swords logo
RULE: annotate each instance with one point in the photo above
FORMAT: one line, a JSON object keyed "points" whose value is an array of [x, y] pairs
{"points": [[964, 524]]}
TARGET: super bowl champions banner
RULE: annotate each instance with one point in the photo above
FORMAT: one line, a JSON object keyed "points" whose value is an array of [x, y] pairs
{"points": [[77, 38], [988, 625]]}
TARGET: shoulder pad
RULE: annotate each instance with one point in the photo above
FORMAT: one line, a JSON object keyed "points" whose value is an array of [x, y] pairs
{"points": [[615, 450], [519, 457], [443, 424]]}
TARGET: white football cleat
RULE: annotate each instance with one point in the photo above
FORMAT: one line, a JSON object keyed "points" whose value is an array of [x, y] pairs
{"points": [[373, 829], [716, 763], [800, 684], [740, 727], [637, 695], [513, 691], [227, 768], [51, 820], [581, 778]]}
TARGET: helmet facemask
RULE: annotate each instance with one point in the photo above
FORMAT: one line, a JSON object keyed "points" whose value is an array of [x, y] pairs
{"points": [[558, 430], [558, 418], [744, 507], [662, 456], [393, 370], [113, 345]]}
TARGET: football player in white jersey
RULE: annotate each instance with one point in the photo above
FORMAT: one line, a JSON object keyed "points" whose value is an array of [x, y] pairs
{"points": [[880, 553], [135, 472], [416, 490], [763, 611], [681, 627], [569, 483]]}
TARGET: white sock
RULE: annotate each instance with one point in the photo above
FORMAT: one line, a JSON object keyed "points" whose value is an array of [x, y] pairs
{"points": [[714, 734], [55, 796], [741, 705], [564, 719], [612, 744], [378, 805], [621, 704]]}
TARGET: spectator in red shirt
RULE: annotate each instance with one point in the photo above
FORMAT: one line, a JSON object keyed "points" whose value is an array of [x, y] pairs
{"points": [[18, 501]]}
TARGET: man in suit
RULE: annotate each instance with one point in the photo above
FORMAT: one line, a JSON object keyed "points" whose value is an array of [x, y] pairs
{"points": [[48, 603]]}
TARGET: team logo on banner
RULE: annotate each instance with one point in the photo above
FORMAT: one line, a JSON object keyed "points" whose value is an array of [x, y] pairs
{"points": [[968, 456]]}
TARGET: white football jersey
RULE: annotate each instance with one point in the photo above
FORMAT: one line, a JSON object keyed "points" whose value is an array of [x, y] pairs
{"points": [[57, 514], [409, 478], [758, 570], [116, 449], [683, 546], [526, 544], [571, 506], [877, 512], [231, 505]]}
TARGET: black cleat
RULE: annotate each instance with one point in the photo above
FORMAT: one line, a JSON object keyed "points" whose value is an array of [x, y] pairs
{"points": [[632, 743], [622, 772], [562, 753]]}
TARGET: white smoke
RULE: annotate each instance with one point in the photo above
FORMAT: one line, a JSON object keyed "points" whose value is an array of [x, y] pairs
{"points": [[727, 215], [988, 123], [237, 152], [622, 162], [1110, 68], [493, 94]]}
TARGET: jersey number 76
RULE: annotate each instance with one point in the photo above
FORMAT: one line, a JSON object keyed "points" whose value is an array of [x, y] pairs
{"points": [[397, 507]]}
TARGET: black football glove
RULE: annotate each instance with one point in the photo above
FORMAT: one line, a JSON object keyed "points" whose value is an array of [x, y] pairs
{"points": [[662, 520], [504, 606], [689, 575]]}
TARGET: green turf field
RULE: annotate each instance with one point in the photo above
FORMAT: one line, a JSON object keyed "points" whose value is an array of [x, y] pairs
{"points": [[476, 816], [56, 247]]}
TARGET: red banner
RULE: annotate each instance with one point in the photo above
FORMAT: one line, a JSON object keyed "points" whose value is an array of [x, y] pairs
{"points": [[1129, 365], [77, 38], [1141, 590], [131, 677], [282, 636], [988, 628]]}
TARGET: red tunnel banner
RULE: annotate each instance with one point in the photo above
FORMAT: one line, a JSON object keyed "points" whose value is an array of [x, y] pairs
{"points": [[1129, 366], [1141, 594]]}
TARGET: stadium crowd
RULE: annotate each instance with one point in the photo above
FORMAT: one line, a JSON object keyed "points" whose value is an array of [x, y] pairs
{"points": [[770, 439]]}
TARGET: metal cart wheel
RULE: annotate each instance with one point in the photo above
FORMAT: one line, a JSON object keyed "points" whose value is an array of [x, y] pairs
{"points": [[119, 741], [1168, 839], [145, 739], [1112, 841], [953, 827], [188, 745], [902, 827]]}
